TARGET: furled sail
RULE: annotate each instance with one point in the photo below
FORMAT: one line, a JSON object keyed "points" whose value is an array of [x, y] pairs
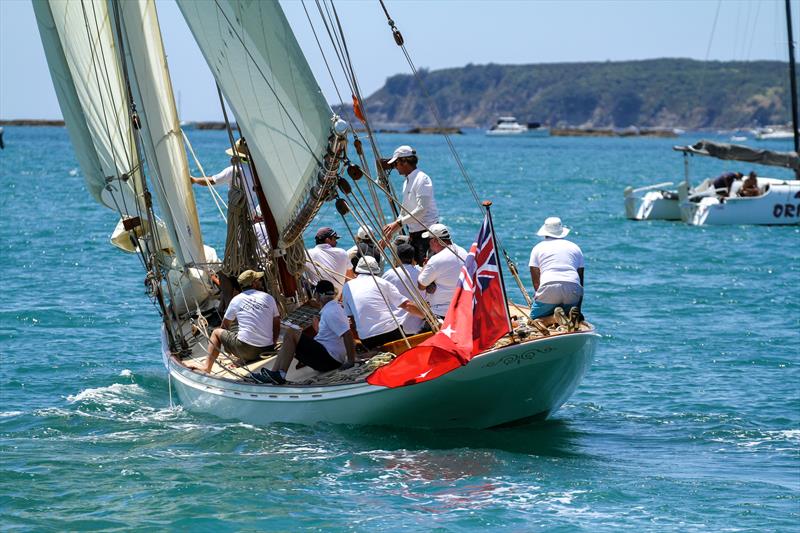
{"points": [[161, 138], [738, 152], [83, 61], [278, 105]]}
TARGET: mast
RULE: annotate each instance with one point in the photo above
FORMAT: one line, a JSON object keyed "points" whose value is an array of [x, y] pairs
{"points": [[792, 77]]}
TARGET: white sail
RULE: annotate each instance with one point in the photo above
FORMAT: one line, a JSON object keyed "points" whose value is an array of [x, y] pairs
{"points": [[84, 67], [278, 104], [161, 140]]}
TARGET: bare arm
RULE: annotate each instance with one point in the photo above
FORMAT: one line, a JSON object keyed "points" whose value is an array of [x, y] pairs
{"points": [[412, 308], [535, 277], [204, 182], [349, 346], [226, 324], [276, 328]]}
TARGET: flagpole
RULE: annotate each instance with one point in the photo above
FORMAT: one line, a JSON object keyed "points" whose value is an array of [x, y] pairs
{"points": [[487, 204]]}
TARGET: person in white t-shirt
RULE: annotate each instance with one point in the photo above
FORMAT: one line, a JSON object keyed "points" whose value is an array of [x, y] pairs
{"points": [[239, 158], [327, 261], [439, 276], [332, 347], [372, 302], [419, 205], [404, 276], [258, 318], [557, 273]]}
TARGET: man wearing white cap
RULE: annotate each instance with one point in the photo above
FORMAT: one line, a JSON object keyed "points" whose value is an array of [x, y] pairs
{"points": [[557, 273], [372, 301], [418, 210], [239, 158], [439, 276]]}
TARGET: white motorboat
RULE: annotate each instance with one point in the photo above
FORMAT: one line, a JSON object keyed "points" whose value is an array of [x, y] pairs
{"points": [[773, 133], [653, 202], [777, 204], [122, 119], [508, 125]]}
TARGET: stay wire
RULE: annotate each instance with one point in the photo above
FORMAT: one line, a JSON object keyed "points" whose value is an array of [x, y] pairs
{"points": [[95, 57], [400, 42], [322, 52], [271, 88], [383, 177]]}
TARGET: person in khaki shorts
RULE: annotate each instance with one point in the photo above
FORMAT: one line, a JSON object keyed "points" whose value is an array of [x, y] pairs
{"points": [[259, 323]]}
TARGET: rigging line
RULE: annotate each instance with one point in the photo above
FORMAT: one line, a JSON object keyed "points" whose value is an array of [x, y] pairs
{"points": [[432, 106], [383, 177], [271, 88], [156, 170], [391, 257], [713, 29], [95, 56], [128, 161], [753, 32], [335, 40], [377, 286], [214, 194], [319, 45]]}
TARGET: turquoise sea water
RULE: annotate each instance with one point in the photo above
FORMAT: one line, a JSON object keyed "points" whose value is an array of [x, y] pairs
{"points": [[689, 419]]}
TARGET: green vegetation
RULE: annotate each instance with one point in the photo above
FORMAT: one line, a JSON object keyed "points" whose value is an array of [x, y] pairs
{"points": [[651, 93]]}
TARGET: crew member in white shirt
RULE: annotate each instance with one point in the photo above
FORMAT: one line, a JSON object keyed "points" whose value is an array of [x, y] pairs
{"points": [[240, 157], [332, 347], [404, 276], [327, 261], [372, 301], [557, 273], [439, 276], [259, 323], [419, 205]]}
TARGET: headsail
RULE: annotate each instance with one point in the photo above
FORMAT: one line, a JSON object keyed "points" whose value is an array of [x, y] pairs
{"points": [[161, 137], [278, 104], [84, 67]]}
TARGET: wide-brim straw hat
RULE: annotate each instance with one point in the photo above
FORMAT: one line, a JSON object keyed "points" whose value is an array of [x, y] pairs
{"points": [[241, 149], [552, 227]]}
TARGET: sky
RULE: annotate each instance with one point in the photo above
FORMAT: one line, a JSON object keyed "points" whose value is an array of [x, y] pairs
{"points": [[439, 34]]}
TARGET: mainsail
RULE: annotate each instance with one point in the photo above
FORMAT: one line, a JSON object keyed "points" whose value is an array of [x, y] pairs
{"points": [[84, 67], [278, 105], [161, 138]]}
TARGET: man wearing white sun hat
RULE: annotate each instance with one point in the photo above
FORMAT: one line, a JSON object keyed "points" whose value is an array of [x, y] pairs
{"points": [[557, 273], [419, 210]]}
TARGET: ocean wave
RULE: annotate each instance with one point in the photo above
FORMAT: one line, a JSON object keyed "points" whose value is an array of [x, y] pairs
{"points": [[115, 394]]}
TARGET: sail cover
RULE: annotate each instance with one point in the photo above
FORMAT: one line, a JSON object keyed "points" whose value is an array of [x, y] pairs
{"points": [[266, 80], [161, 137], [83, 61], [738, 152]]}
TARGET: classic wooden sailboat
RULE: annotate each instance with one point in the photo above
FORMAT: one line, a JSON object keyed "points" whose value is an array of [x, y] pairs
{"points": [[110, 73]]}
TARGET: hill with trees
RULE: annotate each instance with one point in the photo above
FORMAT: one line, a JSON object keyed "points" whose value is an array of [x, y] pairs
{"points": [[655, 93]]}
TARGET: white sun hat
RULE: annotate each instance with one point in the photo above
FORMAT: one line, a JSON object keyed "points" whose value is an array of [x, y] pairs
{"points": [[368, 265], [402, 151], [364, 233], [552, 227], [440, 231]]}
